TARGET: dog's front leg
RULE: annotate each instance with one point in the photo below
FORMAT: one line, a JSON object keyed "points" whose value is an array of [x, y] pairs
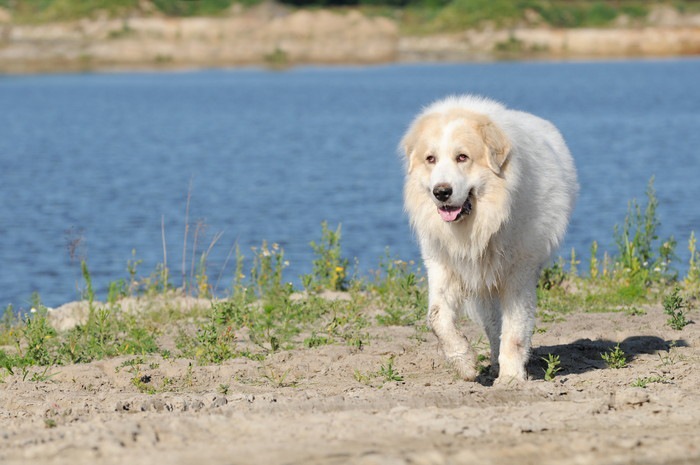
{"points": [[518, 304], [444, 304]]}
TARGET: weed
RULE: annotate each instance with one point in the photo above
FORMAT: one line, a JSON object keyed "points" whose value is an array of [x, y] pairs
{"points": [[634, 311], [266, 272], [42, 376], [275, 378], [189, 376], [132, 363], [50, 423], [364, 378], [671, 357], [552, 276], [593, 267], [388, 372], [329, 267], [673, 307], [692, 279], [553, 366], [315, 341], [38, 335], [224, 389], [143, 384], [573, 264], [615, 358], [214, 341], [644, 382], [401, 292], [636, 240]]}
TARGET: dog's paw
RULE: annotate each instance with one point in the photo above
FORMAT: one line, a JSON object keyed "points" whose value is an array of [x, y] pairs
{"points": [[510, 382], [465, 367]]}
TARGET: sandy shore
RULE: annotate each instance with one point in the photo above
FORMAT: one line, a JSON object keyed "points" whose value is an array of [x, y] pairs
{"points": [[328, 405]]}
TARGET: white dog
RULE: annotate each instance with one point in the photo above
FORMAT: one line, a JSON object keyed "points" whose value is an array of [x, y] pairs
{"points": [[489, 192]]}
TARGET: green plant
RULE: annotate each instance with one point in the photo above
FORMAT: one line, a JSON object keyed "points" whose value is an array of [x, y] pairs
{"points": [[674, 306], [692, 278], [266, 272], [644, 382], [329, 267], [573, 264], [637, 238], [42, 376], [552, 276], [316, 341], [50, 423], [224, 389], [214, 341], [615, 358], [553, 366], [388, 372], [276, 378], [402, 293], [594, 265], [364, 378], [671, 357], [38, 335], [143, 384]]}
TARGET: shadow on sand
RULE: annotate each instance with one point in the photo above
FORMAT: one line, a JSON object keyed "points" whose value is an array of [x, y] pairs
{"points": [[584, 355]]}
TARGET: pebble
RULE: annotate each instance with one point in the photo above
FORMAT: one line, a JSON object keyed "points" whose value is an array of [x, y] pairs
{"points": [[218, 402]]}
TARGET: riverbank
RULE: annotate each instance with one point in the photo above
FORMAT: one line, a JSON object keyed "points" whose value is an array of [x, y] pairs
{"points": [[276, 36]]}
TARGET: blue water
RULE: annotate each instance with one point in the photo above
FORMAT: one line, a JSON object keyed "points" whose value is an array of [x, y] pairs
{"points": [[91, 164]]}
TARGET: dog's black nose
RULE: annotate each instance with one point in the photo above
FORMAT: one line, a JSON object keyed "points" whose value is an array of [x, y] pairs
{"points": [[442, 192]]}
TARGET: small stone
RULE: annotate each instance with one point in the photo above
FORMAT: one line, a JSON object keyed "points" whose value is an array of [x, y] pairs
{"points": [[123, 406], [218, 402], [197, 405]]}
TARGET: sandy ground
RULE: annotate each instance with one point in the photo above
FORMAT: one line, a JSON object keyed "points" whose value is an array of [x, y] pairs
{"points": [[327, 405]]}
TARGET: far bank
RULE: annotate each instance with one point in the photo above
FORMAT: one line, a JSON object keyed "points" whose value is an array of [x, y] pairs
{"points": [[279, 37]]}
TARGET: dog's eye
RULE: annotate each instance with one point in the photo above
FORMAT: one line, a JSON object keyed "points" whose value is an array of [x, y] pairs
{"points": [[430, 159], [462, 157]]}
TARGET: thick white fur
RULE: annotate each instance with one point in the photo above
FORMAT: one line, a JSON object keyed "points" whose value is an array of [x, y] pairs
{"points": [[487, 264]]}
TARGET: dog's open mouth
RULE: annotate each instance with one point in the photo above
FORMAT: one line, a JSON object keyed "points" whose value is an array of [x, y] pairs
{"points": [[454, 213]]}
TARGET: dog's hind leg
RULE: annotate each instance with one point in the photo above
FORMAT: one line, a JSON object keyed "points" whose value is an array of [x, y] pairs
{"points": [[442, 312]]}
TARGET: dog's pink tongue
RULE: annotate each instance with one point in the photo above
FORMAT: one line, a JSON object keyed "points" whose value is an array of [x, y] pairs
{"points": [[449, 214]]}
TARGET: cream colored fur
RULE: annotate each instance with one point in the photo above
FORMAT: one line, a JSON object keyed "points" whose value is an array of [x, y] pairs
{"points": [[521, 181]]}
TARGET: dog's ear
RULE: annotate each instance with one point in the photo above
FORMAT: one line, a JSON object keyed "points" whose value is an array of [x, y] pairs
{"points": [[408, 145], [497, 145]]}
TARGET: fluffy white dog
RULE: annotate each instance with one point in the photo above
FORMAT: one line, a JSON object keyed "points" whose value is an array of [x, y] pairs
{"points": [[489, 192]]}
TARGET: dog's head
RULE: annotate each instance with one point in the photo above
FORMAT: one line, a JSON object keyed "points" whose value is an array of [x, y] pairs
{"points": [[452, 154]]}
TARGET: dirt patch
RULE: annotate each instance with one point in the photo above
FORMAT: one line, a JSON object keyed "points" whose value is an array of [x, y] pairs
{"points": [[336, 404]]}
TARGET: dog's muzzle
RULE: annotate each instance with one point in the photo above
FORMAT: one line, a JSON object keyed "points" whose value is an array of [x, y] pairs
{"points": [[452, 213]]}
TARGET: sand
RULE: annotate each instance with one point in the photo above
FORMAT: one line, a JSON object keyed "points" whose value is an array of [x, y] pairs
{"points": [[328, 405]]}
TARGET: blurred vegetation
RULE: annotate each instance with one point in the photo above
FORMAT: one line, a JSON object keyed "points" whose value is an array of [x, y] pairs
{"points": [[414, 15]]}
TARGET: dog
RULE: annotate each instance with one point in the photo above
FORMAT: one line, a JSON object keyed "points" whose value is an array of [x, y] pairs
{"points": [[489, 192]]}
